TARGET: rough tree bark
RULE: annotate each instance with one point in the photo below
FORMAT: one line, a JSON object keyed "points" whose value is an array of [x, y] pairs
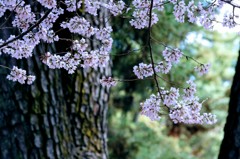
{"points": [[230, 147], [60, 116]]}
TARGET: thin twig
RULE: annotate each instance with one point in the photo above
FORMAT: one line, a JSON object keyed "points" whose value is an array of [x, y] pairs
{"points": [[5, 67], [187, 57], [131, 80], [170, 82]]}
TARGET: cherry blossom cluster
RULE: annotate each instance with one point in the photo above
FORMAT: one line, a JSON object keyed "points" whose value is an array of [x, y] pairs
{"points": [[24, 17], [91, 58], [68, 62], [79, 57], [202, 69], [48, 22], [94, 59], [9, 5], [114, 8], [23, 14], [108, 82], [198, 12], [92, 6], [183, 108], [141, 19], [20, 76], [143, 70], [19, 49], [48, 3], [141, 13], [190, 91], [151, 107], [206, 16], [170, 97], [146, 70], [189, 114], [172, 55], [163, 67], [72, 5], [179, 11], [80, 26], [228, 21], [203, 13]]}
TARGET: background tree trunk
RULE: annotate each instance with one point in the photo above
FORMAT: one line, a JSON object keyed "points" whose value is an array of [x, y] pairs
{"points": [[60, 116], [230, 147]]}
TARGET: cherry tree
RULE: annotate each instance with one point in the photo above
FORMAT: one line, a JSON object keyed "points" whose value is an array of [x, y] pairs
{"points": [[83, 29]]}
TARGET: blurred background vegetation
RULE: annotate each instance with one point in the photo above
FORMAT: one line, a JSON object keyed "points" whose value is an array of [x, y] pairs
{"points": [[132, 136]]}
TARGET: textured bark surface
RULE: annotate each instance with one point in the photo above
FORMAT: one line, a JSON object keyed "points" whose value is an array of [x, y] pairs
{"points": [[60, 116], [230, 147]]}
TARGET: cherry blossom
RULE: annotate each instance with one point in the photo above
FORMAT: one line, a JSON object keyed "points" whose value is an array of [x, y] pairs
{"points": [[189, 92], [151, 108], [108, 82], [114, 8], [143, 70], [71, 5], [179, 11], [141, 19], [202, 69], [170, 97], [19, 49], [48, 3], [228, 21], [20, 76], [172, 55], [163, 67], [24, 17], [80, 26]]}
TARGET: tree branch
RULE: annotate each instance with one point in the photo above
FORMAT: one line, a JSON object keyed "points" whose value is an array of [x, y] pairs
{"points": [[27, 31], [230, 3], [150, 49]]}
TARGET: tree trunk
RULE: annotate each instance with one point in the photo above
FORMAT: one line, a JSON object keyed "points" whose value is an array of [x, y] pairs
{"points": [[60, 116], [230, 147]]}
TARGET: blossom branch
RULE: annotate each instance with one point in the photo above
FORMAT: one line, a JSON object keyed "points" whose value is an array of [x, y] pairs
{"points": [[230, 3], [27, 31], [150, 48]]}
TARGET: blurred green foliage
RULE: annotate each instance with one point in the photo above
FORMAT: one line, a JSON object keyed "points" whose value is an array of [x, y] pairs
{"points": [[132, 136], [150, 140]]}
